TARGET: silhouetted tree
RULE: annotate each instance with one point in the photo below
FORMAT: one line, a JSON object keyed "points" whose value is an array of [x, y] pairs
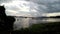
{"points": [[6, 22]]}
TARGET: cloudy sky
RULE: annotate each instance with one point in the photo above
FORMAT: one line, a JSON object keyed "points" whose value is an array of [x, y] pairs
{"points": [[31, 7]]}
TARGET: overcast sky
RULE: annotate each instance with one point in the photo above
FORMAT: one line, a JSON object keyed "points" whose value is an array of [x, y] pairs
{"points": [[31, 7]]}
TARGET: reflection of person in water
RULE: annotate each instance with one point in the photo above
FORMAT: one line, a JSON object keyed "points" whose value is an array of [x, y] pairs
{"points": [[6, 22]]}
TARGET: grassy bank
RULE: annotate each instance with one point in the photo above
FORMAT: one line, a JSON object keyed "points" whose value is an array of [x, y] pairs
{"points": [[41, 28]]}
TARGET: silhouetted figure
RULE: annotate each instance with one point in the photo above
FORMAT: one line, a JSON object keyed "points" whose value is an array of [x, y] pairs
{"points": [[6, 22]]}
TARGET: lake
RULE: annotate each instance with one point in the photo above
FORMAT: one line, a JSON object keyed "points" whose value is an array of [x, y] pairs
{"points": [[26, 22]]}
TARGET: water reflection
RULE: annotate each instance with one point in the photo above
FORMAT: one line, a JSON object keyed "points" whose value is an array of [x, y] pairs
{"points": [[26, 22], [51, 19]]}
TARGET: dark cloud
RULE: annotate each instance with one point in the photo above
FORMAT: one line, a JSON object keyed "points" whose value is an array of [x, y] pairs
{"points": [[51, 5], [27, 0], [4, 1]]}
